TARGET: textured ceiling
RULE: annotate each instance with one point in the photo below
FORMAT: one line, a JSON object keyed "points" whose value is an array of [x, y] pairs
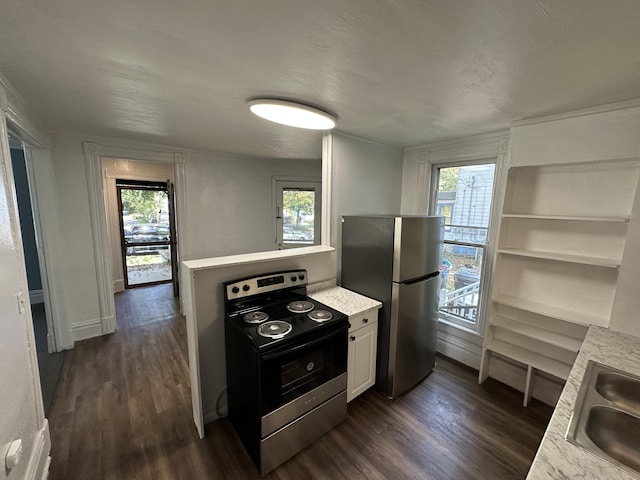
{"points": [[399, 72]]}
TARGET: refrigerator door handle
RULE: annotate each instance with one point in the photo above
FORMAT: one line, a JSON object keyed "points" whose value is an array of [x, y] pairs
{"points": [[413, 281]]}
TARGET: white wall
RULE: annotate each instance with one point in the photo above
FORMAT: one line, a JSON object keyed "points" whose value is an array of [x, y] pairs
{"points": [[228, 204], [21, 411], [366, 178]]}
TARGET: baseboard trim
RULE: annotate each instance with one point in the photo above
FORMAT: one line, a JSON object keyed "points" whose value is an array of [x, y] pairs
{"points": [[211, 417], [87, 329], [38, 468], [118, 285], [36, 296]]}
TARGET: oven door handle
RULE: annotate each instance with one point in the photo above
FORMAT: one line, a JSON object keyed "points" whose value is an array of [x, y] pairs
{"points": [[310, 343]]}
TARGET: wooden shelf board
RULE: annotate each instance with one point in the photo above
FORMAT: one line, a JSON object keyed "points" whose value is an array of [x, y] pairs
{"points": [[556, 339], [539, 362], [567, 217], [551, 311], [563, 257]]}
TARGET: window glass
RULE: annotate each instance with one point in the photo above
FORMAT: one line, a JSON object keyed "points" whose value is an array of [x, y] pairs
{"points": [[298, 216], [463, 196]]}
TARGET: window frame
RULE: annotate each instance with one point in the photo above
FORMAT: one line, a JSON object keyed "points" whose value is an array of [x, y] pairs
{"points": [[279, 185], [488, 248]]}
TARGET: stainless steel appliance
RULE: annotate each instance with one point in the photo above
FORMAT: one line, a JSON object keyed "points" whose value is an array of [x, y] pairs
{"points": [[396, 260], [286, 365]]}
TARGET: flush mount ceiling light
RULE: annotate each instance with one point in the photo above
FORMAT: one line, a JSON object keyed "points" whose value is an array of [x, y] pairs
{"points": [[292, 114]]}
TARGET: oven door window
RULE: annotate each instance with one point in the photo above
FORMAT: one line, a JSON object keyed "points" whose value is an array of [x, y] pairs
{"points": [[298, 368]]}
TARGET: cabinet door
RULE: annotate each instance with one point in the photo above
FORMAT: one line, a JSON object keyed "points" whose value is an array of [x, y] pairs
{"points": [[361, 373]]}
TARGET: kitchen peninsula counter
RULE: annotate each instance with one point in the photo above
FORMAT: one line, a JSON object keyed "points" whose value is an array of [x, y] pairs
{"points": [[557, 458]]}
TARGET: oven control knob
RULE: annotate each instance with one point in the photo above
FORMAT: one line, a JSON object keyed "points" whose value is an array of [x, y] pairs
{"points": [[301, 276], [293, 278], [235, 289], [245, 288]]}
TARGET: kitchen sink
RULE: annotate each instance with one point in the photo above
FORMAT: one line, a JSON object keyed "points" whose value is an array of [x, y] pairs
{"points": [[606, 416], [620, 389]]}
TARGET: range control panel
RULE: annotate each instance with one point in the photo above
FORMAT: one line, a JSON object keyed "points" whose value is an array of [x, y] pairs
{"points": [[270, 282]]}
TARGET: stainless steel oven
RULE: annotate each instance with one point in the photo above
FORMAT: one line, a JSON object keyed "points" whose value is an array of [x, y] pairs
{"points": [[286, 365]]}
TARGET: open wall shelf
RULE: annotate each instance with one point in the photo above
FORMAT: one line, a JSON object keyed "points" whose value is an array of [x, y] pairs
{"points": [[562, 236]]}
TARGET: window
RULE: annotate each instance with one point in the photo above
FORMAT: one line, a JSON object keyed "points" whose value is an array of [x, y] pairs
{"points": [[298, 216], [463, 194]]}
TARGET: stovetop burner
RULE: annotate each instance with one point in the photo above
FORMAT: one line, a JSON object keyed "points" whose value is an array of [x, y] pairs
{"points": [[274, 329], [300, 306], [256, 317], [320, 316], [272, 310]]}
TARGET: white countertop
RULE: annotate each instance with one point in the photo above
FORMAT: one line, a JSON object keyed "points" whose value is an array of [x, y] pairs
{"points": [[556, 457], [345, 301]]}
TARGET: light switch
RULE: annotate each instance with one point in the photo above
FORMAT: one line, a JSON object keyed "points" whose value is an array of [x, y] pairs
{"points": [[13, 454], [21, 304]]}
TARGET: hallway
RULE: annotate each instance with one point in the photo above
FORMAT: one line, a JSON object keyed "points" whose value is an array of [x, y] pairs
{"points": [[122, 409]]}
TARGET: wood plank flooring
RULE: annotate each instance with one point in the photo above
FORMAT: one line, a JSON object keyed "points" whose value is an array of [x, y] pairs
{"points": [[122, 410]]}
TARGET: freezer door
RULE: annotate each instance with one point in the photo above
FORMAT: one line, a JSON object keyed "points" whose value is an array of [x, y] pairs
{"points": [[414, 313], [417, 247]]}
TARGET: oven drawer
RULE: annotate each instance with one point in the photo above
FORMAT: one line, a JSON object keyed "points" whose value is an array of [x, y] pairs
{"points": [[286, 442], [292, 410], [363, 319]]}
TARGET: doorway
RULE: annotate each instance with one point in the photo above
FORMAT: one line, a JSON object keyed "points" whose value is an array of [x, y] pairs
{"points": [[49, 362], [146, 221]]}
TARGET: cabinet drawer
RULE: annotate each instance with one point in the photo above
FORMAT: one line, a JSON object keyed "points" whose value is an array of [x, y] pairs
{"points": [[363, 319]]}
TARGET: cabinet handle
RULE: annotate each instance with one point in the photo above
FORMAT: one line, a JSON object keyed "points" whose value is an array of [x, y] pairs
{"points": [[353, 338], [365, 320]]}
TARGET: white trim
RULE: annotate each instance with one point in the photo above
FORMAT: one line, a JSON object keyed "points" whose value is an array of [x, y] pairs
{"points": [[21, 117], [93, 152], [35, 297], [188, 303], [59, 333], [101, 251], [474, 145], [579, 113], [327, 183], [38, 468], [88, 329]]}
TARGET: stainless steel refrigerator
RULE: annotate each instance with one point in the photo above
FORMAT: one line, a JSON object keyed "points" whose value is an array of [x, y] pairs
{"points": [[396, 260]]}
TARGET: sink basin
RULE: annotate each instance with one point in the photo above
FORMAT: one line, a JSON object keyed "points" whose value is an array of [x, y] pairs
{"points": [[620, 389], [616, 433], [606, 416]]}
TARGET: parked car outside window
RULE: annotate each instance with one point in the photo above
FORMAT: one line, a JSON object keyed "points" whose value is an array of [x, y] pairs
{"points": [[146, 233]]}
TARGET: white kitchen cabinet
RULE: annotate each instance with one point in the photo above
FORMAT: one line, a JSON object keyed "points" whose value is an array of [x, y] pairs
{"points": [[363, 335], [562, 235], [361, 359]]}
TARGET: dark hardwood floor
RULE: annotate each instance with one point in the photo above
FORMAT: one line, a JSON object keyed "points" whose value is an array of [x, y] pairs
{"points": [[122, 410]]}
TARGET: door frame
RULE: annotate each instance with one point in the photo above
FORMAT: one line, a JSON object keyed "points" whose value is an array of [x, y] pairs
{"points": [[153, 186], [93, 154]]}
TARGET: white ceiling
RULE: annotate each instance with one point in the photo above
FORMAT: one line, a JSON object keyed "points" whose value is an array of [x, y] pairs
{"points": [[399, 72]]}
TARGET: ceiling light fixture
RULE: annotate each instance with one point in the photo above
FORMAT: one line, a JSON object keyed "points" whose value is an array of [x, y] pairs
{"points": [[292, 114]]}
